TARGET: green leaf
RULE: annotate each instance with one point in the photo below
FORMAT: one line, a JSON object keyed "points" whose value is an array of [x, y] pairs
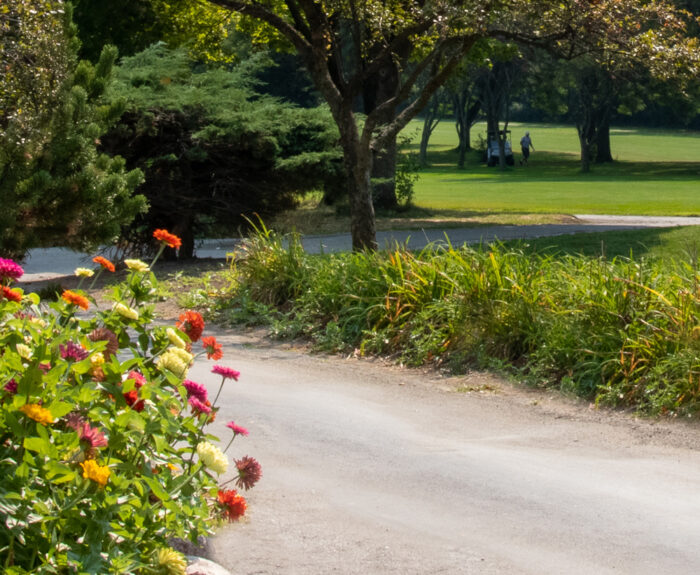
{"points": [[157, 489], [37, 445]]}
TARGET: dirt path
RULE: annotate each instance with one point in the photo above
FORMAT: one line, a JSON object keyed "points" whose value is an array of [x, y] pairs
{"points": [[377, 470]]}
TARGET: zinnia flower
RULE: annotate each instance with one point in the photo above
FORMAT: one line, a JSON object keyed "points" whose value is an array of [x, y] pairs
{"points": [[226, 372], [237, 429], [126, 311], [24, 350], [170, 562], [10, 294], [249, 472], [104, 334], [233, 505], [11, 387], [84, 272], [104, 262], [75, 299], [175, 339], [192, 324], [199, 406], [166, 237], [213, 349], [37, 413], [73, 351], [92, 438], [97, 473], [136, 265], [10, 270], [132, 396], [195, 390], [173, 362], [212, 457]]}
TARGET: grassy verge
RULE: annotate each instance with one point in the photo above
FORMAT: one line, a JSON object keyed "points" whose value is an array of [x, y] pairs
{"points": [[624, 331]]}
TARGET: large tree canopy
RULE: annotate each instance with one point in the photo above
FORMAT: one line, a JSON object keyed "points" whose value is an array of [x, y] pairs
{"points": [[346, 44]]}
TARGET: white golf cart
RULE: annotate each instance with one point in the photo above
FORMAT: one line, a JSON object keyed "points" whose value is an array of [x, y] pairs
{"points": [[493, 151]]}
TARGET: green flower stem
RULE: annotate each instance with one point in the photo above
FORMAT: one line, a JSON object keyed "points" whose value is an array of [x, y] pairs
{"points": [[218, 393], [160, 251], [97, 275]]}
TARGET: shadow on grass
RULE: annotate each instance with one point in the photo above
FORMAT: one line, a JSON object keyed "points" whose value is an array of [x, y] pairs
{"points": [[549, 166], [680, 243]]}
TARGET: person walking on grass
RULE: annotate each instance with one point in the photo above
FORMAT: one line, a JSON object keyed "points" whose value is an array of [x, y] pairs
{"points": [[525, 145]]}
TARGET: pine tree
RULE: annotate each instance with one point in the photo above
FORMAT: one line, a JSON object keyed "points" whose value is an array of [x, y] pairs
{"points": [[55, 187]]}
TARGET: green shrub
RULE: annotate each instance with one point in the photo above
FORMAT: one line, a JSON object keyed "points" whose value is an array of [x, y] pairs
{"points": [[623, 332]]}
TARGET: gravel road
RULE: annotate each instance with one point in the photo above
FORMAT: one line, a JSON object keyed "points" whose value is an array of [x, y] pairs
{"points": [[374, 469]]}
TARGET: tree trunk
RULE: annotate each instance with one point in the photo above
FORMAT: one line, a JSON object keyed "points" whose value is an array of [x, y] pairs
{"points": [[585, 151], [358, 157], [384, 176], [431, 120], [603, 150]]}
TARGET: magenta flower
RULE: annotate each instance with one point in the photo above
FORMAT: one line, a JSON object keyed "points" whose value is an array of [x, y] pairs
{"points": [[195, 390], [11, 387], [237, 429], [10, 269], [226, 372], [44, 366], [137, 377], [198, 406], [73, 351]]}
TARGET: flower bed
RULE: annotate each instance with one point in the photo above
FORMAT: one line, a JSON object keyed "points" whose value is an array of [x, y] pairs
{"points": [[104, 453]]}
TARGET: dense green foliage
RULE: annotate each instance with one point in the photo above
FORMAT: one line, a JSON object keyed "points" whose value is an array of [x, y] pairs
{"points": [[214, 151], [55, 187], [105, 453], [622, 331]]}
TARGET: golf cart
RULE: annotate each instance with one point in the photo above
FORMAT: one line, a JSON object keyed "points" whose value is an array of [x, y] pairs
{"points": [[493, 152]]}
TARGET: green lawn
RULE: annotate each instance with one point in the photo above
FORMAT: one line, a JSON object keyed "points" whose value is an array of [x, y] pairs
{"points": [[657, 172]]}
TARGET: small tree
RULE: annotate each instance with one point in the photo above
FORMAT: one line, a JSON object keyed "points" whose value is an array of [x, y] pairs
{"points": [[55, 188], [213, 150]]}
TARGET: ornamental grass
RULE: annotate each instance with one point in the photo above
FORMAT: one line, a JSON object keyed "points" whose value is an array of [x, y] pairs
{"points": [[622, 332], [105, 454]]}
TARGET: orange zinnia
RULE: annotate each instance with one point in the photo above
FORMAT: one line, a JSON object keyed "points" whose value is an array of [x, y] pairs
{"points": [[11, 294], [192, 324], [104, 262], [213, 348], [75, 299], [165, 236], [233, 505]]}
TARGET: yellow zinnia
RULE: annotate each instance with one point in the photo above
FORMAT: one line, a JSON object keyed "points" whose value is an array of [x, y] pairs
{"points": [[175, 339], [84, 272], [37, 413], [95, 472], [170, 361], [136, 265], [24, 350], [212, 457], [171, 562], [126, 311]]}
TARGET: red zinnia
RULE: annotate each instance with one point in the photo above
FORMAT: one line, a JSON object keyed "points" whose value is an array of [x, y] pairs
{"points": [[192, 324], [233, 504], [104, 262], [11, 294], [166, 237], [212, 347], [75, 299], [249, 472], [132, 397]]}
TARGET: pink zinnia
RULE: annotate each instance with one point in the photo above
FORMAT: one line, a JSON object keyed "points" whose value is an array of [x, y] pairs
{"points": [[237, 429], [195, 390], [91, 436], [198, 406], [11, 387], [226, 372], [73, 351], [10, 269], [137, 377]]}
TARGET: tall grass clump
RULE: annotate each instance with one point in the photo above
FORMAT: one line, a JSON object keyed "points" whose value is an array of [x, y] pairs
{"points": [[621, 331]]}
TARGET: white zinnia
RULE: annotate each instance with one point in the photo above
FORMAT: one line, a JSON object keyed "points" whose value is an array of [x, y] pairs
{"points": [[212, 457]]}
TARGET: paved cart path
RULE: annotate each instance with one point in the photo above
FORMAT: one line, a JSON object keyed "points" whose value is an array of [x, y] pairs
{"points": [[46, 264], [370, 469]]}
